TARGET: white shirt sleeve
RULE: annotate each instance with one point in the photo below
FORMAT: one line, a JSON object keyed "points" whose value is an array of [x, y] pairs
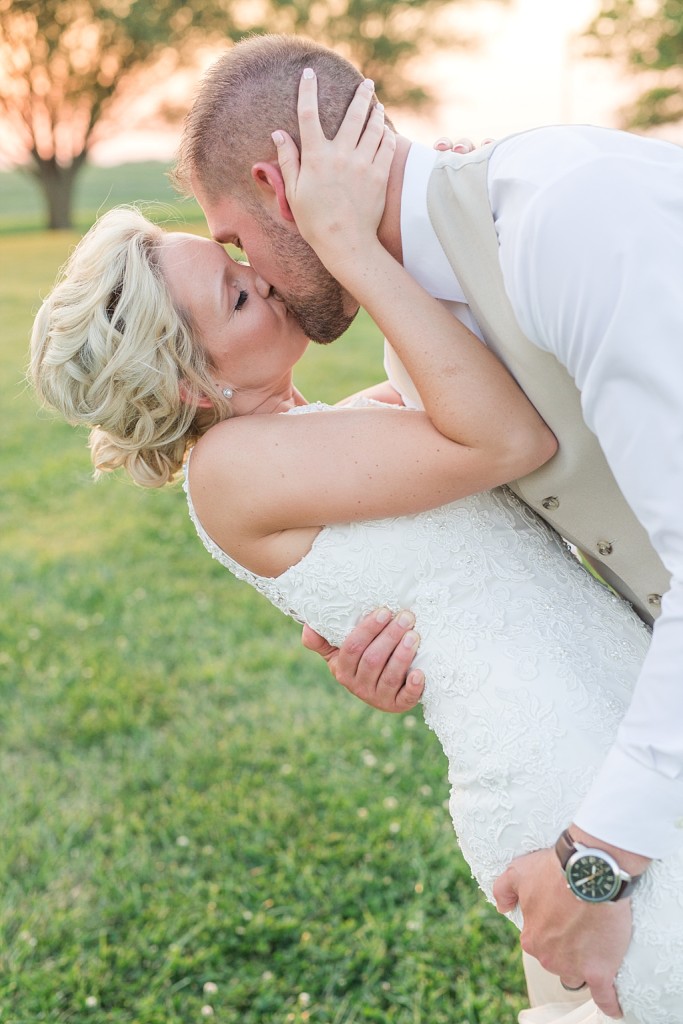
{"points": [[593, 265]]}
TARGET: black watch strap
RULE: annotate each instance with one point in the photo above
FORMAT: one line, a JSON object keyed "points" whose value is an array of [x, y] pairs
{"points": [[564, 848]]}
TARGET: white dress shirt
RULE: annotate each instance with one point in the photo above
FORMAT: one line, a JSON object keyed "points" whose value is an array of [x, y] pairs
{"points": [[590, 231]]}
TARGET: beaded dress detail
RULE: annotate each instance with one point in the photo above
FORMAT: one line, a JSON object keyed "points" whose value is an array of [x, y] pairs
{"points": [[530, 664]]}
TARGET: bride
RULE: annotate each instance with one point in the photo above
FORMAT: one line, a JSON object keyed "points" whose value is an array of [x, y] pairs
{"points": [[173, 355]]}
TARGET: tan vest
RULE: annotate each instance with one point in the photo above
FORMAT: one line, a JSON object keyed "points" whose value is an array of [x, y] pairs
{"points": [[575, 492]]}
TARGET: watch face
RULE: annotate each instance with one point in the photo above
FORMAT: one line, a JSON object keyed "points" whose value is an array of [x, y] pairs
{"points": [[592, 877]]}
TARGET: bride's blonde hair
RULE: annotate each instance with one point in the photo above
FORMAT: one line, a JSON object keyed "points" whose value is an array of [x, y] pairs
{"points": [[110, 351]]}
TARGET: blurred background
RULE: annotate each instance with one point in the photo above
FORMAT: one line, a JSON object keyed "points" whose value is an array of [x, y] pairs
{"points": [[103, 83], [196, 822]]}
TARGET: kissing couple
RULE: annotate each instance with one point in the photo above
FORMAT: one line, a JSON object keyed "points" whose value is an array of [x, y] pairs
{"points": [[449, 490]]}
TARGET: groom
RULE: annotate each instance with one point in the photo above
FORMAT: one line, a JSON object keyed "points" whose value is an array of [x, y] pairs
{"points": [[563, 247]]}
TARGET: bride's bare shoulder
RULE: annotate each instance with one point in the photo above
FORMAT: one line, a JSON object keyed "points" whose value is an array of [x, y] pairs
{"points": [[232, 444]]}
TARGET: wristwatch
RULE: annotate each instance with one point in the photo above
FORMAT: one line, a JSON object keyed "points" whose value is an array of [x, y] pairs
{"points": [[593, 875]]}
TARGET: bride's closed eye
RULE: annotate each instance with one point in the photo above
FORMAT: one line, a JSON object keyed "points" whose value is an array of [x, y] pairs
{"points": [[241, 299]]}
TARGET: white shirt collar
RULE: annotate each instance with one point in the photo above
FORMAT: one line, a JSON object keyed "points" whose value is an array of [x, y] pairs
{"points": [[423, 257]]}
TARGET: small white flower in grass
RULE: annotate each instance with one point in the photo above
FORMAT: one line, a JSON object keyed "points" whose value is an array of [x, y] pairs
{"points": [[286, 769], [409, 722], [182, 841], [304, 998], [389, 768], [369, 759], [425, 790], [413, 926], [267, 976], [210, 988], [247, 915], [362, 812], [206, 1011], [395, 827], [386, 731], [391, 803], [419, 887], [386, 986], [92, 1002]]}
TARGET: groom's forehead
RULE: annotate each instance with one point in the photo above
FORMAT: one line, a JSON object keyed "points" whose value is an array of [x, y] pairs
{"points": [[227, 218]]}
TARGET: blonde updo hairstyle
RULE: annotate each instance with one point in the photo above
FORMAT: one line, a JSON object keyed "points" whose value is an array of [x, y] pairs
{"points": [[110, 351]]}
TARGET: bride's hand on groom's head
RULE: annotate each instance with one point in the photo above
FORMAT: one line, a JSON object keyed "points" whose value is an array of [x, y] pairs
{"points": [[336, 188]]}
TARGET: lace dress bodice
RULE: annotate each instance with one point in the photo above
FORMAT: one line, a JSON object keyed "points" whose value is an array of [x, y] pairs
{"points": [[530, 664]]}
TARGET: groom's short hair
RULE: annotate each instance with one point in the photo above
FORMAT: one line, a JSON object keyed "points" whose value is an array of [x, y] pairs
{"points": [[248, 93]]}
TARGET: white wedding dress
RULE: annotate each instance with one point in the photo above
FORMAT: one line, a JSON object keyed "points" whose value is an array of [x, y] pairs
{"points": [[529, 664]]}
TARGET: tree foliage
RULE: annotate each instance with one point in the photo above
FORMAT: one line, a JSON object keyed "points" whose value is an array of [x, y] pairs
{"points": [[646, 36], [66, 66]]}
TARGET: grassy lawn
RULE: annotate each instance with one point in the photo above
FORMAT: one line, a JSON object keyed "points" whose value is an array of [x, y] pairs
{"points": [[196, 822]]}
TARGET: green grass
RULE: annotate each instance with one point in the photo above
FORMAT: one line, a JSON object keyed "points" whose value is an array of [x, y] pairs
{"points": [[187, 797]]}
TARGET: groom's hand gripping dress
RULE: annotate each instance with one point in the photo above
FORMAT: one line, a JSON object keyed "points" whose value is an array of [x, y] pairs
{"points": [[581, 942], [373, 663]]}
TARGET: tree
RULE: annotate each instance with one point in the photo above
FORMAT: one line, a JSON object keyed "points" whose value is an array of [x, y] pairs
{"points": [[647, 37], [66, 65]]}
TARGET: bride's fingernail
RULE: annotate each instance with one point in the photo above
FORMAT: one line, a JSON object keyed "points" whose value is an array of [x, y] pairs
{"points": [[406, 619], [278, 138], [309, 73], [379, 107], [411, 639], [369, 84], [382, 616]]}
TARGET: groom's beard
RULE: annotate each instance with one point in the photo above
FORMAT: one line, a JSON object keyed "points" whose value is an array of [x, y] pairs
{"points": [[317, 302]]}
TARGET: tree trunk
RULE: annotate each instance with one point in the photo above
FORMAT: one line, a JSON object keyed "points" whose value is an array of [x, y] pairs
{"points": [[57, 184]]}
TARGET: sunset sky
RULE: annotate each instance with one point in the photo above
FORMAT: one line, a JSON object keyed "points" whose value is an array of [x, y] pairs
{"points": [[526, 70]]}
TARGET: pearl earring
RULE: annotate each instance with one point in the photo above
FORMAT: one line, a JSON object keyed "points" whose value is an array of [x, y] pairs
{"points": [[228, 392]]}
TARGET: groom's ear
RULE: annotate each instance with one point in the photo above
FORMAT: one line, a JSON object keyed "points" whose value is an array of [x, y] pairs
{"points": [[268, 178]]}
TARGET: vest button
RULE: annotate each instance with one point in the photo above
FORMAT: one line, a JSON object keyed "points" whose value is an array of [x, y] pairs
{"points": [[604, 547], [551, 502], [654, 599]]}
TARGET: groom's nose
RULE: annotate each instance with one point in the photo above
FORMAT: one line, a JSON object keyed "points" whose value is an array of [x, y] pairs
{"points": [[262, 287]]}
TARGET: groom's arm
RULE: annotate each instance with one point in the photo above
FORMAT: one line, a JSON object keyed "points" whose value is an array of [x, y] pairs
{"points": [[383, 392]]}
